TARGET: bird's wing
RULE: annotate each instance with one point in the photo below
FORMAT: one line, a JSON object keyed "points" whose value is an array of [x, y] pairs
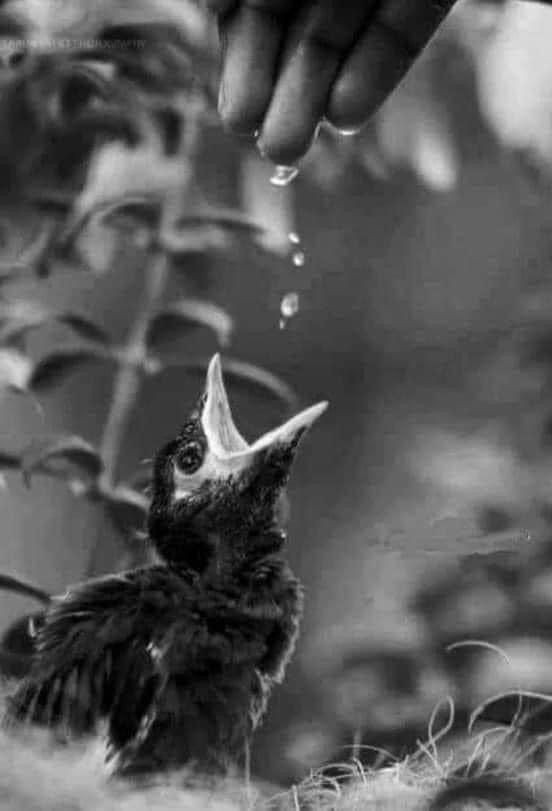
{"points": [[98, 657]]}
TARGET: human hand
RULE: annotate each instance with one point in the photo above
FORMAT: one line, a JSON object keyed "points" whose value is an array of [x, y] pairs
{"points": [[288, 64]]}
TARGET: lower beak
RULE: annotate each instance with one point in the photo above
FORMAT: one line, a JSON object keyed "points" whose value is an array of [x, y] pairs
{"points": [[290, 431]]}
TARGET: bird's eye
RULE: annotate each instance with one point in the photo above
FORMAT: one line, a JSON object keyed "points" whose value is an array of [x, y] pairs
{"points": [[190, 458]]}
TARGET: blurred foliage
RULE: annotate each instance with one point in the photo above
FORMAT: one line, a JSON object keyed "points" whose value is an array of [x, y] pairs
{"points": [[107, 108], [478, 678], [497, 48], [106, 111]]}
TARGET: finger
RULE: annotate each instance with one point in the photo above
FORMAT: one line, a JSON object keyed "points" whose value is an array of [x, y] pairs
{"points": [[393, 39], [301, 94], [221, 7], [252, 40]]}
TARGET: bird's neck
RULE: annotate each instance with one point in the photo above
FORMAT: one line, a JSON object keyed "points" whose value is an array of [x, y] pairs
{"points": [[218, 555]]}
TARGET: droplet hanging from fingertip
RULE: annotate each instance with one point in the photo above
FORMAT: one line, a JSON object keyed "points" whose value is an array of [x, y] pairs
{"points": [[283, 175]]}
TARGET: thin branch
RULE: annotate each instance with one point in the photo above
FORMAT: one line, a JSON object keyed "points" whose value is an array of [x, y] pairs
{"points": [[128, 380], [18, 585], [134, 353]]}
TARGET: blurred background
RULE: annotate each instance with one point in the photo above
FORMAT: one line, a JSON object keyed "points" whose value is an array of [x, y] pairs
{"points": [[420, 507]]}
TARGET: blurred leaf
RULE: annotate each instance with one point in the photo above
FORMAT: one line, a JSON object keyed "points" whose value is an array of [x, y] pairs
{"points": [[120, 173], [127, 508], [245, 374], [54, 368], [15, 370], [83, 326], [514, 77], [83, 83], [132, 212], [413, 131], [229, 218], [194, 238], [128, 213], [10, 582], [30, 258], [186, 314], [51, 201], [206, 229], [17, 317], [42, 254], [9, 461], [82, 133], [97, 248], [68, 449], [36, 248]]}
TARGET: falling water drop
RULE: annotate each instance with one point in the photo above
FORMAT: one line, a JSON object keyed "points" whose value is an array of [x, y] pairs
{"points": [[289, 305], [283, 175], [298, 259], [348, 131]]}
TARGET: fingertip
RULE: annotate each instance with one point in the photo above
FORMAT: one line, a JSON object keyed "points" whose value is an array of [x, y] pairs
{"points": [[351, 105], [220, 7], [347, 111], [284, 151], [242, 113], [368, 76], [240, 117], [298, 105], [250, 50]]}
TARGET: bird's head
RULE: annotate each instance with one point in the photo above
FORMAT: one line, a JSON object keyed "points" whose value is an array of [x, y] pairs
{"points": [[211, 487]]}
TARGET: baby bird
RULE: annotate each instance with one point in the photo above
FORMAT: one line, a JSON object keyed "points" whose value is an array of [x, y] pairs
{"points": [[177, 660]]}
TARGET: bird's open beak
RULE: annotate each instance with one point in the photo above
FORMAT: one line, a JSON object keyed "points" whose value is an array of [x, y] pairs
{"points": [[224, 439]]}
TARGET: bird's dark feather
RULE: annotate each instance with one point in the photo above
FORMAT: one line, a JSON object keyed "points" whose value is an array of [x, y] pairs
{"points": [[178, 669], [93, 657]]}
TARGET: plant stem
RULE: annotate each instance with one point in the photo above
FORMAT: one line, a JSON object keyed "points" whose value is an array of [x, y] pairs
{"points": [[127, 383], [128, 380], [156, 274]]}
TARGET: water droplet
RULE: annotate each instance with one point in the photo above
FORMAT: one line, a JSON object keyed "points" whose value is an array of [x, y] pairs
{"points": [[283, 175], [283, 323], [289, 305], [294, 238], [347, 131], [298, 259], [141, 238], [77, 487]]}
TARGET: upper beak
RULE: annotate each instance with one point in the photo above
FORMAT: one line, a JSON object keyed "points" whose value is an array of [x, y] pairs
{"points": [[224, 439]]}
